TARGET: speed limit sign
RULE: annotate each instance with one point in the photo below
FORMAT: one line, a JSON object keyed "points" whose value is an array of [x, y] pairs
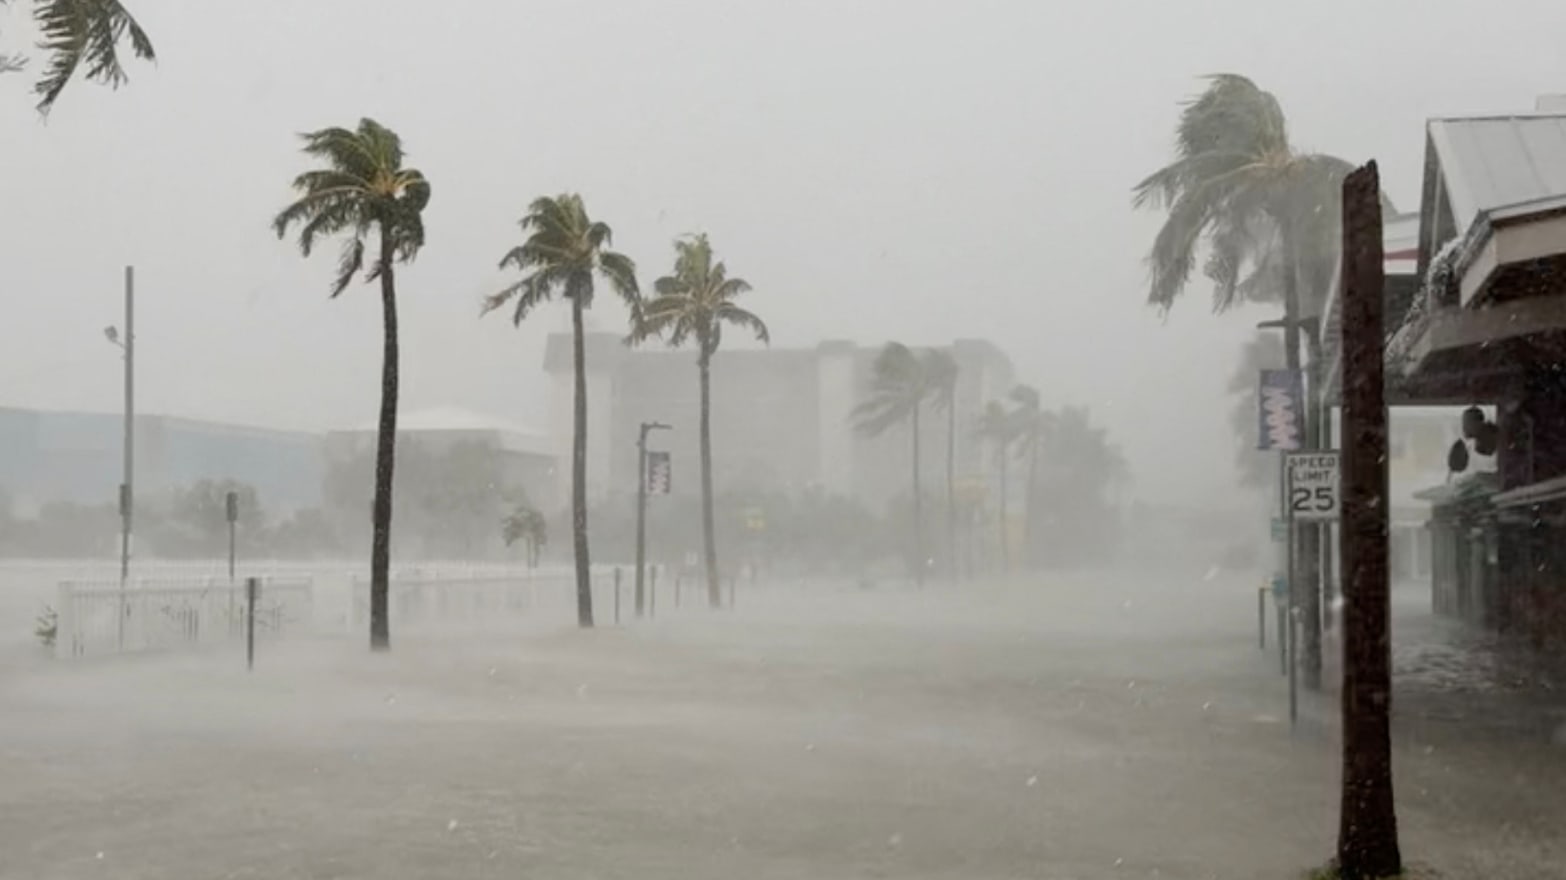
{"points": [[1311, 484]]}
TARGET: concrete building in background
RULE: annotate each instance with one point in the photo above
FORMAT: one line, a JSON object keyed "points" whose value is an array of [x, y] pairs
{"points": [[76, 457], [781, 417], [527, 460]]}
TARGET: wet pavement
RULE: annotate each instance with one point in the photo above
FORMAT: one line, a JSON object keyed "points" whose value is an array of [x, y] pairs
{"points": [[1069, 726]]}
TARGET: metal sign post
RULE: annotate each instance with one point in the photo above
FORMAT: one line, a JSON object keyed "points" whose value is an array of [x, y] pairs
{"points": [[1311, 493]]}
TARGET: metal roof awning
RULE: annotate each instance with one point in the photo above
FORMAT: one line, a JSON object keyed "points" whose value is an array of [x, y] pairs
{"points": [[1477, 487], [1543, 492], [1491, 161]]}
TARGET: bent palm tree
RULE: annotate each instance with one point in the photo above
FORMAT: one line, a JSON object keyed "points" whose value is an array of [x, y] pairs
{"points": [[564, 251], [1269, 215], [997, 427], [940, 374], [897, 387], [693, 304], [364, 188], [77, 33]]}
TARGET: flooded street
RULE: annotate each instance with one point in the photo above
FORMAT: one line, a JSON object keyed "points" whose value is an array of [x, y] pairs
{"points": [[1082, 726]]}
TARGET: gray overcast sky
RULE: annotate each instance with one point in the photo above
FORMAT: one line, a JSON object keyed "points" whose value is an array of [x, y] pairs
{"points": [[886, 169]]}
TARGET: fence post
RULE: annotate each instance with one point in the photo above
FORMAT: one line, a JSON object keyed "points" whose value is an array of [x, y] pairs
{"points": [[65, 621], [252, 587], [1261, 617], [1283, 642], [617, 594]]}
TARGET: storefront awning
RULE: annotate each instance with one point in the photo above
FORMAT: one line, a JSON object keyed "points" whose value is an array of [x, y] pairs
{"points": [[1542, 492]]}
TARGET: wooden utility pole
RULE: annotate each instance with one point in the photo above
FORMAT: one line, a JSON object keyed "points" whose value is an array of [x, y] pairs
{"points": [[1367, 830]]}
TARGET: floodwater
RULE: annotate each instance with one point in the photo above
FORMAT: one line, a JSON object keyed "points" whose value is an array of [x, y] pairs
{"points": [[1065, 726]]}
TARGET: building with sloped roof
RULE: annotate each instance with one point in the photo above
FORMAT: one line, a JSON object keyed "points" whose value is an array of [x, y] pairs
{"points": [[1486, 326]]}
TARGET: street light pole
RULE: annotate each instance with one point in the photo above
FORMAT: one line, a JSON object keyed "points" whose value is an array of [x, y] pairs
{"points": [[127, 503], [641, 509]]}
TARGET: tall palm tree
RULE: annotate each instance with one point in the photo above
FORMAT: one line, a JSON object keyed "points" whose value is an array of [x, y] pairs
{"points": [[564, 251], [692, 304], [1269, 216], [998, 427], [364, 188], [898, 386], [1030, 432], [940, 374], [77, 33]]}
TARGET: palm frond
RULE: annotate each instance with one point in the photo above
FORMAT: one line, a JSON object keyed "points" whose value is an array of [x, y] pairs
{"points": [[85, 32], [620, 270], [660, 316], [874, 416], [348, 264], [729, 313]]}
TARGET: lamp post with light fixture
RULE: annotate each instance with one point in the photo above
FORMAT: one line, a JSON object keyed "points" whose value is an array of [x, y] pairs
{"points": [[127, 345], [641, 508]]}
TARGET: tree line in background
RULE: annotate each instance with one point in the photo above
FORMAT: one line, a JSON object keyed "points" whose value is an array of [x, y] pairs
{"points": [[1071, 471]]}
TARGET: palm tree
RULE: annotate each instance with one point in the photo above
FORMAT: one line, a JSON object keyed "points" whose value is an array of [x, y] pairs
{"points": [[693, 304], [940, 373], [525, 523], [898, 386], [564, 250], [75, 33], [1269, 215], [364, 188], [999, 428], [1031, 426]]}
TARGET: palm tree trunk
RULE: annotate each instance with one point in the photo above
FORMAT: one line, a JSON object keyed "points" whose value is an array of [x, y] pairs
{"points": [[1305, 575], [385, 459], [1005, 534], [708, 537], [951, 486], [1312, 534], [584, 581], [917, 552], [1031, 529]]}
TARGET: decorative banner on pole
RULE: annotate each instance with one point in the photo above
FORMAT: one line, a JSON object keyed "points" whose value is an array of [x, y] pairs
{"points": [[1282, 397], [659, 473]]}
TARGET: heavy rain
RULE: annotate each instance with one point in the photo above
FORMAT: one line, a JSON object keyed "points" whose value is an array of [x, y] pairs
{"points": [[788, 440]]}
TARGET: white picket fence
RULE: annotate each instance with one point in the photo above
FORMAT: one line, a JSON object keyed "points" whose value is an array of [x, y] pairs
{"points": [[97, 617], [457, 598]]}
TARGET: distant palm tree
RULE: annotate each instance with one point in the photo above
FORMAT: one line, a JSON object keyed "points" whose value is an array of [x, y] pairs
{"points": [[1030, 433], [940, 375], [564, 251], [525, 523], [364, 188], [76, 33], [998, 427], [898, 386], [693, 304]]}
